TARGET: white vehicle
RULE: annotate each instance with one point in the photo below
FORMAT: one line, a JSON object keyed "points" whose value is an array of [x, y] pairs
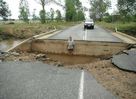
{"points": [[89, 23]]}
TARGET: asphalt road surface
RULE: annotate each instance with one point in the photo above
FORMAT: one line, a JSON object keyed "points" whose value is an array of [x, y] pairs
{"points": [[78, 33], [28, 80]]}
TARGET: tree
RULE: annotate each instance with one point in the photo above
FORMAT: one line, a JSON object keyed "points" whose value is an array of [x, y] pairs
{"points": [[58, 17], [42, 12], [24, 11], [99, 8], [80, 15], [52, 13], [42, 16], [79, 10], [78, 5], [48, 16], [74, 10], [127, 9], [4, 10], [34, 17], [70, 10]]}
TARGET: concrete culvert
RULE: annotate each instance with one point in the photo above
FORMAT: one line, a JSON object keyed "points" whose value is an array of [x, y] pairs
{"points": [[83, 52]]}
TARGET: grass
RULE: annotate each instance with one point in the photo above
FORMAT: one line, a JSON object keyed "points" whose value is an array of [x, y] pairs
{"points": [[24, 30], [128, 28]]}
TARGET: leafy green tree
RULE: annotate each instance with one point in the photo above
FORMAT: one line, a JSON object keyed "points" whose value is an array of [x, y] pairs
{"points": [[70, 10], [127, 9], [42, 16], [99, 8], [34, 17], [24, 11], [58, 17], [43, 12], [79, 10], [74, 10], [52, 14], [48, 16], [80, 15], [78, 5], [4, 10]]}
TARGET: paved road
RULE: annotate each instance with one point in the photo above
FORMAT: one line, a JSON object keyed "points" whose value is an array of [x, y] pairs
{"points": [[28, 80], [78, 33]]}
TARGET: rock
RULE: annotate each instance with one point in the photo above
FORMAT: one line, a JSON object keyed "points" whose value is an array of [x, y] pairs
{"points": [[3, 55], [48, 59], [15, 54], [41, 57], [81, 68], [60, 65], [2, 59], [113, 78]]}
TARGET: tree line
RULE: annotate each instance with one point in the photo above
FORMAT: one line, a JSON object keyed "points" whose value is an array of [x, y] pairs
{"points": [[126, 11], [74, 11]]}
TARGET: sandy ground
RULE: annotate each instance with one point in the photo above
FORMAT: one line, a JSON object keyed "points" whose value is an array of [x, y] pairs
{"points": [[118, 82]]}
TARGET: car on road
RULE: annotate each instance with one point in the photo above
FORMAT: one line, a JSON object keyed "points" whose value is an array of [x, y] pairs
{"points": [[89, 23]]}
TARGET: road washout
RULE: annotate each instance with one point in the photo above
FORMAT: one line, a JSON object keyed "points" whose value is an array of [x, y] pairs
{"points": [[119, 82]]}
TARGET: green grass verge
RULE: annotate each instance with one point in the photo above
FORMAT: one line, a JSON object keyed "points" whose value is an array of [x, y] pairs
{"points": [[24, 30], [128, 28]]}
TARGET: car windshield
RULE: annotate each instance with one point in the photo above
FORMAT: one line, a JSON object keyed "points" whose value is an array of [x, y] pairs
{"points": [[89, 20]]}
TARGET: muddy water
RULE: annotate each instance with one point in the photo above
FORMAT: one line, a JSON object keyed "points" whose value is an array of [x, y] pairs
{"points": [[72, 59], [6, 44]]}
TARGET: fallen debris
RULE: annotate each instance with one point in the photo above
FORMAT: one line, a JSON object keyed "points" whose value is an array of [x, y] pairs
{"points": [[41, 57], [126, 60], [59, 65], [15, 54], [3, 55]]}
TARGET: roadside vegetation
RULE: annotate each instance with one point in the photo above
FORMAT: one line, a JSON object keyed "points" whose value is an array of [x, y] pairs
{"points": [[24, 30], [127, 28]]}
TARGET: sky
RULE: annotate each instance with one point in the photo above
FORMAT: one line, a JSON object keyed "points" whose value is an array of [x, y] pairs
{"points": [[14, 7]]}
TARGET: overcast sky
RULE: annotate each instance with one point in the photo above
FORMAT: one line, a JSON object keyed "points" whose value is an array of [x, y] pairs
{"points": [[14, 6]]}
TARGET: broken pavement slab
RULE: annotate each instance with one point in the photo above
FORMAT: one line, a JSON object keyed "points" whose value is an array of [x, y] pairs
{"points": [[126, 60]]}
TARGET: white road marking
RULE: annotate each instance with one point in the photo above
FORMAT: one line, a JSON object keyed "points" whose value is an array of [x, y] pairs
{"points": [[81, 86], [85, 35]]}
